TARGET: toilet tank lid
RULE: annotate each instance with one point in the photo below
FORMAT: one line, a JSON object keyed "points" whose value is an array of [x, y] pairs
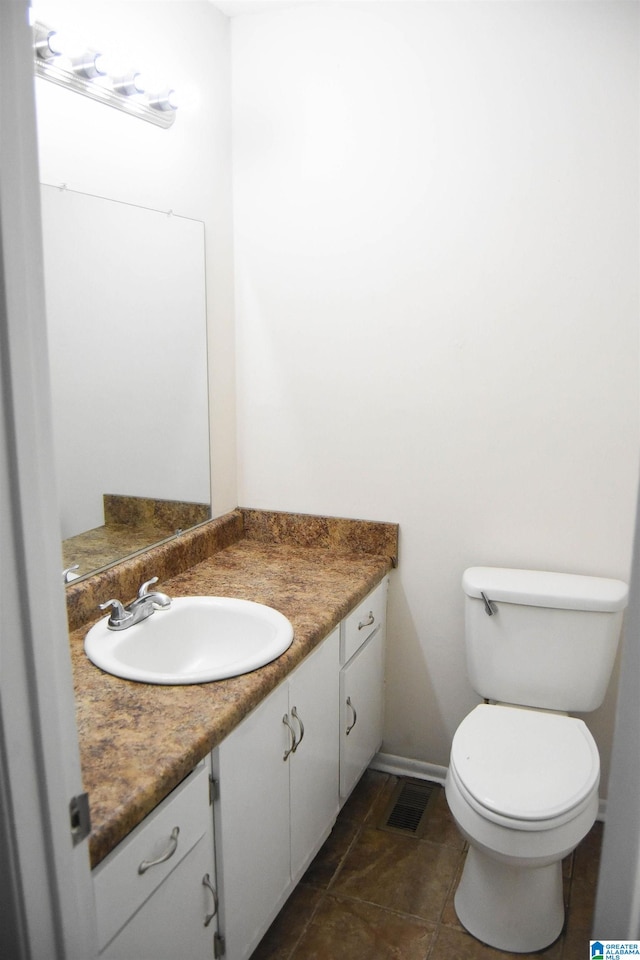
{"points": [[540, 588]]}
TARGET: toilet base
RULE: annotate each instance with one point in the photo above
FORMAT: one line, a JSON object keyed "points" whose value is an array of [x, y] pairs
{"points": [[511, 908]]}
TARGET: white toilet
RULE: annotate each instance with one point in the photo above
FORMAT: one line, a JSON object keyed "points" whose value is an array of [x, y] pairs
{"points": [[523, 776]]}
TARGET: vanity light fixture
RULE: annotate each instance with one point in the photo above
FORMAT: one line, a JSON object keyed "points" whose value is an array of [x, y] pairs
{"points": [[89, 73]]}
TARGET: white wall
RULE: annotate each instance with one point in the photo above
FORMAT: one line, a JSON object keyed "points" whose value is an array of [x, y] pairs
{"points": [[95, 149], [436, 219]]}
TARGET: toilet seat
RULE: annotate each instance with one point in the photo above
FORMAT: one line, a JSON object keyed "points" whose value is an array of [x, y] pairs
{"points": [[526, 769]]}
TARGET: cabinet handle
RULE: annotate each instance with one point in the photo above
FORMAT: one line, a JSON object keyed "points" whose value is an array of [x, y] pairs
{"points": [[355, 716], [206, 882], [169, 852], [292, 732], [367, 623], [294, 713]]}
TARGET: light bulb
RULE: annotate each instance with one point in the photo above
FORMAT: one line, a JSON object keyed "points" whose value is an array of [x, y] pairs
{"points": [[101, 64], [56, 43], [89, 65], [47, 43], [130, 84], [167, 99]]}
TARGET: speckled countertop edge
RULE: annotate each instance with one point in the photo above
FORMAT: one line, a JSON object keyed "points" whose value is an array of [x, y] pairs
{"points": [[138, 741]]}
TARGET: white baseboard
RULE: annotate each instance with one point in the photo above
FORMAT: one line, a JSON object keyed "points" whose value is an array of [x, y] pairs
{"points": [[404, 767], [421, 770]]}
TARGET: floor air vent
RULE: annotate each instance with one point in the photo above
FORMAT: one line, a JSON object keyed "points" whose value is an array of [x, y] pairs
{"points": [[407, 809]]}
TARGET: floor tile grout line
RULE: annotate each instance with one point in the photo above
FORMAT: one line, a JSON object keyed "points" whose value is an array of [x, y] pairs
{"points": [[306, 926], [452, 886], [360, 824], [380, 906], [434, 939], [336, 873]]}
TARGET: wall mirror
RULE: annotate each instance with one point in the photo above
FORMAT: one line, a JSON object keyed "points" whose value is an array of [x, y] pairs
{"points": [[126, 319]]}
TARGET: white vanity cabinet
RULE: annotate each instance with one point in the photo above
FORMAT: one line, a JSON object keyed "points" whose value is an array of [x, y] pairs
{"points": [[277, 797], [155, 893], [362, 652]]}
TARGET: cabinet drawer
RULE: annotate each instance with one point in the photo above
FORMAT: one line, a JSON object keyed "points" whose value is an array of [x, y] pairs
{"points": [[361, 622], [119, 887]]}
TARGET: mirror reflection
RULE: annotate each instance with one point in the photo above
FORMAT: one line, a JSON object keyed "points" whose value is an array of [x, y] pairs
{"points": [[126, 319]]}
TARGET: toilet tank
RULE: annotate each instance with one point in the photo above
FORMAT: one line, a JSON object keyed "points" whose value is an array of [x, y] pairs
{"points": [[544, 640]]}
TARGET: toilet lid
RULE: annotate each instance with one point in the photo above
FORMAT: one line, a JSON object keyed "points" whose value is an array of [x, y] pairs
{"points": [[525, 764]]}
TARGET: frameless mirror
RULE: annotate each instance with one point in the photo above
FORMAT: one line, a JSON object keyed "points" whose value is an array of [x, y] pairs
{"points": [[126, 318]]}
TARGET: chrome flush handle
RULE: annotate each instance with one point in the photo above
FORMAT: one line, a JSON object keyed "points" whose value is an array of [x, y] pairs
{"points": [[489, 607]]}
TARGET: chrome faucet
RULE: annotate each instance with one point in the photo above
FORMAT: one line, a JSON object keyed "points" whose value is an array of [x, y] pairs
{"points": [[142, 607]]}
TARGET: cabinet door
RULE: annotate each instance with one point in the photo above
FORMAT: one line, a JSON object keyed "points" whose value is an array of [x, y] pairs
{"points": [[252, 825], [171, 924], [313, 702], [361, 711]]}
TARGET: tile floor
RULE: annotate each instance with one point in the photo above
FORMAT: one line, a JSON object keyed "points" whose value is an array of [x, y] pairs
{"points": [[375, 895]]}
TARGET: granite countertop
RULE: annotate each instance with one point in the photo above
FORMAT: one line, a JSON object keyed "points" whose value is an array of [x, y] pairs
{"points": [[138, 741]]}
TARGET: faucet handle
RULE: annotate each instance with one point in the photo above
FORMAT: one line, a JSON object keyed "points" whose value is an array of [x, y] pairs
{"points": [[158, 599], [144, 589], [69, 574], [118, 612]]}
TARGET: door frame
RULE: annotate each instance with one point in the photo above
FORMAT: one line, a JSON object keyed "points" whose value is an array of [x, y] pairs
{"points": [[46, 897]]}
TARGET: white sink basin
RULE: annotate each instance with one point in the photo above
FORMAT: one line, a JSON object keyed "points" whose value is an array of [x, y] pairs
{"points": [[195, 640]]}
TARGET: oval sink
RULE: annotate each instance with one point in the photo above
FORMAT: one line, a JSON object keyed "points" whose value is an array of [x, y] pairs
{"points": [[195, 640]]}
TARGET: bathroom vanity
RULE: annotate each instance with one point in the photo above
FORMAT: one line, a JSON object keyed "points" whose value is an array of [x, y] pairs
{"points": [[209, 801]]}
